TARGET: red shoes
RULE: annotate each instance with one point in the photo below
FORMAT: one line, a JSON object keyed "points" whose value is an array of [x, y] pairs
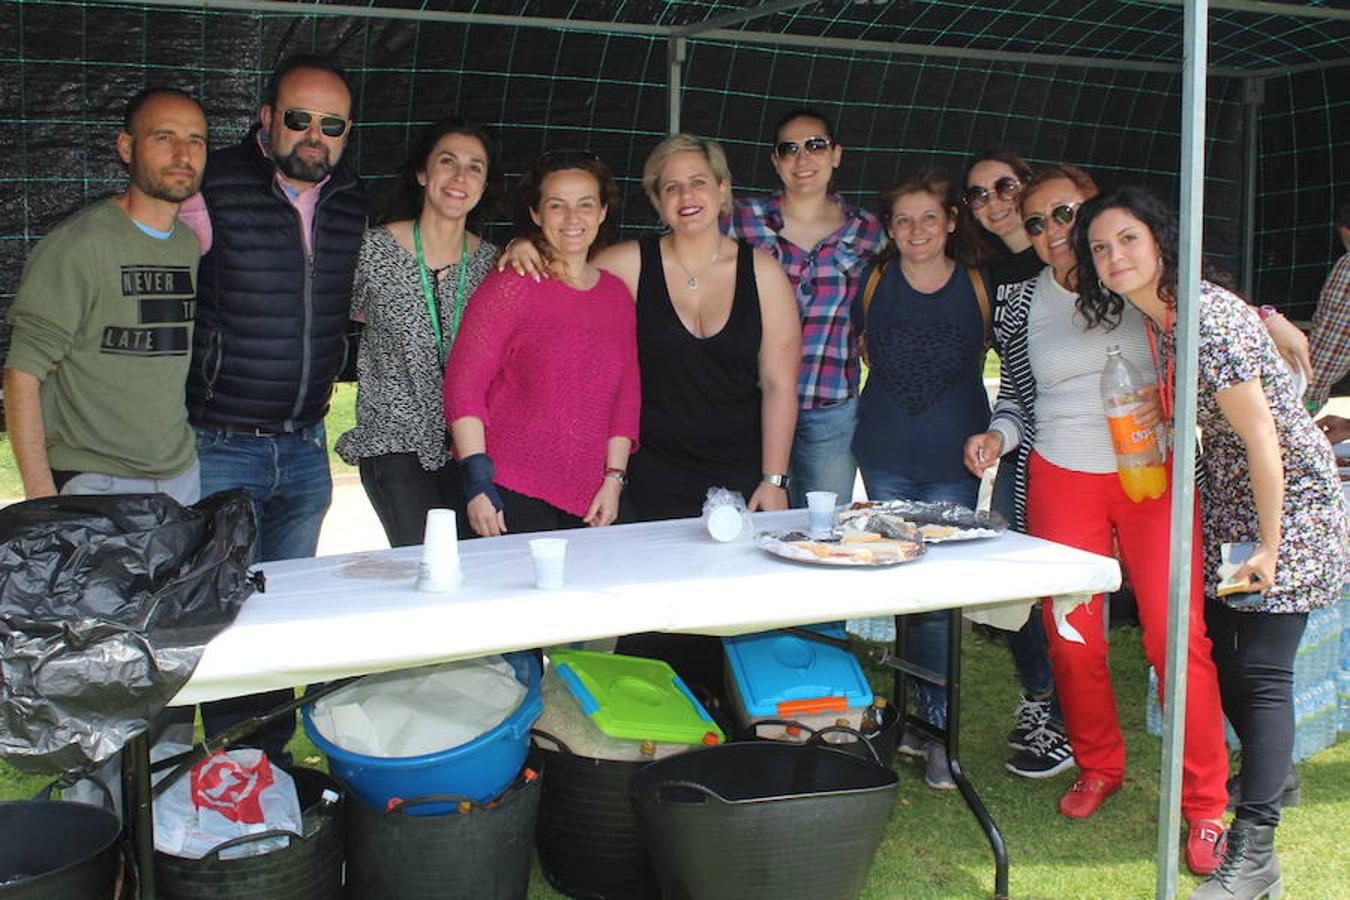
{"points": [[1204, 846], [1086, 796]]}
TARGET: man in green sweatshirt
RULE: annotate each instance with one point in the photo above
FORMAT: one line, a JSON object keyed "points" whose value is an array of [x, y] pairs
{"points": [[102, 324]]}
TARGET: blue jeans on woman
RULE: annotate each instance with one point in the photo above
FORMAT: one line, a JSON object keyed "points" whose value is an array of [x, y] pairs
{"points": [[929, 632]]}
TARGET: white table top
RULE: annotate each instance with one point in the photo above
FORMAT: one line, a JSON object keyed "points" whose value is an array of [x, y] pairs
{"points": [[334, 616]]}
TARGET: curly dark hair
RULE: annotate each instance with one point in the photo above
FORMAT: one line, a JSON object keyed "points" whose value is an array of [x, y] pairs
{"points": [[1097, 304], [974, 245], [405, 200], [528, 195]]}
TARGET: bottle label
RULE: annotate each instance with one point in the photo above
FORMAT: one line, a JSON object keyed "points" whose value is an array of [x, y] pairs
{"points": [[1128, 437]]}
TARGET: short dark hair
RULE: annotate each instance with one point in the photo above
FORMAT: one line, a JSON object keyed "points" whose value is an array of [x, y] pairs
{"points": [[406, 198], [529, 192], [803, 112], [304, 61], [137, 102]]}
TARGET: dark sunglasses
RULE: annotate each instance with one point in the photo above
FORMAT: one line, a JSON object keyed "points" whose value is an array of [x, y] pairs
{"points": [[813, 145], [1006, 188], [300, 120], [1063, 214]]}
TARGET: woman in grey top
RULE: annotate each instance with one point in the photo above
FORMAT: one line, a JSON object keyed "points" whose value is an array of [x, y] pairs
{"points": [[414, 277]]}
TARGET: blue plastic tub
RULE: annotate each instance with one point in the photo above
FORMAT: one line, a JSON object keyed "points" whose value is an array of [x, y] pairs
{"points": [[478, 770]]}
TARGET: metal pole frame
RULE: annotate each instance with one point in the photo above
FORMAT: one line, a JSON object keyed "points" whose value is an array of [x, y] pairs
{"points": [[1183, 455]]}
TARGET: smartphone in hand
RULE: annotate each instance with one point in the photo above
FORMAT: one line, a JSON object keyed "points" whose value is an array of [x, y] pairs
{"points": [[1236, 593]]}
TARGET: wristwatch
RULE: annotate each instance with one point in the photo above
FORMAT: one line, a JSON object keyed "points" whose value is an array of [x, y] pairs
{"points": [[618, 475], [778, 481]]}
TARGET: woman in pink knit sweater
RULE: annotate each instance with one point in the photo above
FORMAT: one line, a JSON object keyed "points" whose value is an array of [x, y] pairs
{"points": [[541, 389]]}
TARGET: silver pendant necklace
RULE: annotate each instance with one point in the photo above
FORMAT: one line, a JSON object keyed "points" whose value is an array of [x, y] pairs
{"points": [[692, 280]]}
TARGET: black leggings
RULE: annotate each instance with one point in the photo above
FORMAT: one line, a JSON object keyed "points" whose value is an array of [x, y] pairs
{"points": [[401, 491], [1254, 653]]}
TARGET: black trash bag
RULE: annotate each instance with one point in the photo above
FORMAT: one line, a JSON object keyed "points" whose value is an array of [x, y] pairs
{"points": [[106, 605]]}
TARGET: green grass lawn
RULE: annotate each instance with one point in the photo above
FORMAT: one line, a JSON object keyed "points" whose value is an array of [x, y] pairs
{"points": [[934, 848]]}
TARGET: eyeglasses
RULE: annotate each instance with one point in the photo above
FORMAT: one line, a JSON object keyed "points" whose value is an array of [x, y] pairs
{"points": [[1006, 188], [812, 145], [300, 120], [1063, 214]]}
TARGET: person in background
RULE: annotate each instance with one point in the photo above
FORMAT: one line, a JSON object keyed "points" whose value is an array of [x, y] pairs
{"points": [[925, 334], [990, 233], [279, 220], [1269, 481], [542, 390], [102, 324], [1050, 413], [1330, 343], [823, 244], [414, 277]]}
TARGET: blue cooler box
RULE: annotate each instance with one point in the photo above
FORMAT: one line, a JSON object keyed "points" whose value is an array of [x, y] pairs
{"points": [[777, 675]]}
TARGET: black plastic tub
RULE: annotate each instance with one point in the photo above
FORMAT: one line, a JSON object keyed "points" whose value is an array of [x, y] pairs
{"points": [[589, 840], [879, 745], [482, 854], [55, 850], [309, 868], [763, 819]]}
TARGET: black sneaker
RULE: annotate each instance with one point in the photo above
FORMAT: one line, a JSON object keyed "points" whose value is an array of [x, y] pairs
{"points": [[1048, 753], [1030, 715]]}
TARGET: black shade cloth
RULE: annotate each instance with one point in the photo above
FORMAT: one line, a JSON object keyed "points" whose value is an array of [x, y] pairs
{"points": [[106, 604]]}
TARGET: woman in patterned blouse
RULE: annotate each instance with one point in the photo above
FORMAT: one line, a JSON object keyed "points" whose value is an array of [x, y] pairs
{"points": [[414, 277], [1269, 483]]}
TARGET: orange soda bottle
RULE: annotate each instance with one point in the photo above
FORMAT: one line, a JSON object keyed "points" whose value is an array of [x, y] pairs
{"points": [[1139, 461]]}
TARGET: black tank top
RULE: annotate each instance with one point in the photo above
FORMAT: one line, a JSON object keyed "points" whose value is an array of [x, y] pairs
{"points": [[700, 396]]}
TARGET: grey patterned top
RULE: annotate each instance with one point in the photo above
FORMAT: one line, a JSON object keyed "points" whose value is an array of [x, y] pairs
{"points": [[399, 406]]}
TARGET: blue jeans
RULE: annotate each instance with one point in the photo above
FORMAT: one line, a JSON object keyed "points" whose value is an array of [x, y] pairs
{"points": [[821, 456], [928, 632], [288, 480]]}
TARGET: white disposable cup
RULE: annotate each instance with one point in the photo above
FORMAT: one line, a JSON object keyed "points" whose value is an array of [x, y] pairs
{"points": [[439, 569], [725, 523], [820, 512], [550, 556]]}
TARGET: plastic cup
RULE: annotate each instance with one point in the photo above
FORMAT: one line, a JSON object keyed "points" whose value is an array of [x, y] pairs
{"points": [[549, 555], [439, 569], [725, 523], [820, 512]]}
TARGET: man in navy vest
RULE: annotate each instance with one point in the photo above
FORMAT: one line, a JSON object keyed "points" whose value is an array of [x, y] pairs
{"points": [[279, 219]]}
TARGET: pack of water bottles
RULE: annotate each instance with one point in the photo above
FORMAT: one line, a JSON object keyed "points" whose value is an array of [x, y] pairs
{"points": [[1321, 684]]}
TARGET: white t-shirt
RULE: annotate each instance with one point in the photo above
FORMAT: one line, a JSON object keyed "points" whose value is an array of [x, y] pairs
{"points": [[1067, 360]]}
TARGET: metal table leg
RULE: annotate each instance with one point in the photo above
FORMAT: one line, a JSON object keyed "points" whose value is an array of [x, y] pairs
{"points": [[904, 670], [137, 820]]}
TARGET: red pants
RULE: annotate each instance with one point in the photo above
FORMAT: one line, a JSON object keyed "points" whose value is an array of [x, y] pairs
{"points": [[1082, 510]]}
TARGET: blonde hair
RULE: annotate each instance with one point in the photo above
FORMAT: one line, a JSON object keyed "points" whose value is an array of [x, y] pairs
{"points": [[685, 143]]}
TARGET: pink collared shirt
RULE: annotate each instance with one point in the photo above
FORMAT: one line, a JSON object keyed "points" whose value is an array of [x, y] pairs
{"points": [[194, 214]]}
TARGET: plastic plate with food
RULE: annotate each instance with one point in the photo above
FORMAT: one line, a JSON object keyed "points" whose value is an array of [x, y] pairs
{"points": [[865, 549], [936, 522]]}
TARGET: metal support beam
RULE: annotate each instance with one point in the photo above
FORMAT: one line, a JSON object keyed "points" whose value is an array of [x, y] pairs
{"points": [[739, 18], [1183, 451], [1254, 90], [676, 51], [1267, 9]]}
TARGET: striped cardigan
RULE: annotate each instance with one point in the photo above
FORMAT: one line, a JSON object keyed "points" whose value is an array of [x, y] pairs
{"points": [[1016, 404]]}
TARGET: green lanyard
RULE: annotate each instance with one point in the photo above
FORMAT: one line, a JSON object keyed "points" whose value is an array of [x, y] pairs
{"points": [[457, 313]]}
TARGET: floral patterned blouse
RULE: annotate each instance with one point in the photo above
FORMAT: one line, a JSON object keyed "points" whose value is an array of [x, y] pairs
{"points": [[1312, 562]]}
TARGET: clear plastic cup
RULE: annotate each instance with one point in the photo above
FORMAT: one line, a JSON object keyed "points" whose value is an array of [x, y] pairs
{"points": [[820, 511]]}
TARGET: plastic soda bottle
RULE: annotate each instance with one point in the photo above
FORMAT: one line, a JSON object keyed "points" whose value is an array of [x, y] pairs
{"points": [[1138, 459]]}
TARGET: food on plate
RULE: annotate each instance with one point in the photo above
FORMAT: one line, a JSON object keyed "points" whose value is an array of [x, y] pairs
{"points": [[938, 532]]}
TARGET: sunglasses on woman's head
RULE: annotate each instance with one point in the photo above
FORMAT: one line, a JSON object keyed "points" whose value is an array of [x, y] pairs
{"points": [[1063, 214], [300, 120], [1006, 188], [812, 145]]}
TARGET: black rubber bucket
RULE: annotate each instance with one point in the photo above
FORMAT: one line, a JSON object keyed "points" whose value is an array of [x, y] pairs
{"points": [[483, 854], [54, 850], [763, 819], [309, 868], [589, 840]]}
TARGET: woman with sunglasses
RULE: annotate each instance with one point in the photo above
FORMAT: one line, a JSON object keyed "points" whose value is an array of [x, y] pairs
{"points": [[541, 391], [990, 233], [1049, 413], [1269, 482], [414, 277], [924, 330], [823, 244]]}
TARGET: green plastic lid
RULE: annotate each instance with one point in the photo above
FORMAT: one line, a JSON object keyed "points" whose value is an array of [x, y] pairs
{"points": [[635, 698]]}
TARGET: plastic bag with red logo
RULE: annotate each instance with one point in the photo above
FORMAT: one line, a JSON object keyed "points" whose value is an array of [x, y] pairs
{"points": [[228, 796]]}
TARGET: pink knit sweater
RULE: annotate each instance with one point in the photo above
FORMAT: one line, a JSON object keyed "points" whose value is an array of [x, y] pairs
{"points": [[553, 373]]}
